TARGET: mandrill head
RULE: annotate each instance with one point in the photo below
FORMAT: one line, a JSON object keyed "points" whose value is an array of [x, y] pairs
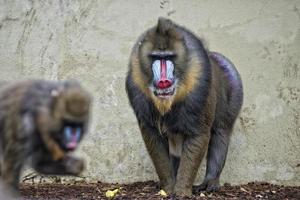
{"points": [[162, 55], [71, 109], [163, 64]]}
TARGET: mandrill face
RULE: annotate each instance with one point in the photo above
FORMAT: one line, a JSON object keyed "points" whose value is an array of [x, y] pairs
{"points": [[72, 134], [163, 79]]}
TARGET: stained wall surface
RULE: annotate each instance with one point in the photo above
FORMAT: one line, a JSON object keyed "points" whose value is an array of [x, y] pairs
{"points": [[91, 41]]}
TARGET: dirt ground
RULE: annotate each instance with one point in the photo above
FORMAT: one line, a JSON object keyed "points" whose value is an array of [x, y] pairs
{"points": [[149, 190]]}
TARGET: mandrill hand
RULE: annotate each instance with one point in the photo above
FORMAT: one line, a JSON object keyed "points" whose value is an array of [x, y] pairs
{"points": [[73, 166]]}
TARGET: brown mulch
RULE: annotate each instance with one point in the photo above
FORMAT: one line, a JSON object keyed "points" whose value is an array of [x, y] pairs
{"points": [[149, 190]]}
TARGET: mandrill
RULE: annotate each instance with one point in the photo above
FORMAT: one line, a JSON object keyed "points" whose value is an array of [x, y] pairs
{"points": [[41, 122], [186, 100]]}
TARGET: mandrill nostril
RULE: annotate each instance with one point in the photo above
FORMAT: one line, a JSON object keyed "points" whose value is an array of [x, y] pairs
{"points": [[163, 84]]}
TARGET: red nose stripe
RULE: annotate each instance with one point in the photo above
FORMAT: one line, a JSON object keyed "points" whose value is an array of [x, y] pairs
{"points": [[163, 81], [163, 69]]}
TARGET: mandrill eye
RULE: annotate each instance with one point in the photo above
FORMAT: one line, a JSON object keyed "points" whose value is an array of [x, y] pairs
{"points": [[162, 54], [163, 73]]}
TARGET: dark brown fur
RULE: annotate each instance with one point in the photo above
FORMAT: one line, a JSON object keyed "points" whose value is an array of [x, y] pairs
{"points": [[199, 116], [32, 115]]}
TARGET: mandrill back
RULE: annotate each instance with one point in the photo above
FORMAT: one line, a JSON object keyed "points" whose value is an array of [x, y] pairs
{"points": [[41, 122]]}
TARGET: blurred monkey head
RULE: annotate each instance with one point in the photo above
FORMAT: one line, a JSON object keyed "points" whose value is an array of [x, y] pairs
{"points": [[70, 113]]}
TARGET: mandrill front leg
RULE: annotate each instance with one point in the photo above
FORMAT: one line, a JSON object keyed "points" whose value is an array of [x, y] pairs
{"points": [[43, 123], [13, 160], [157, 147], [194, 148]]}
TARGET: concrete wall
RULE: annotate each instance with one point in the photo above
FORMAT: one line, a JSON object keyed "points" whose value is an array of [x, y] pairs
{"points": [[91, 40]]}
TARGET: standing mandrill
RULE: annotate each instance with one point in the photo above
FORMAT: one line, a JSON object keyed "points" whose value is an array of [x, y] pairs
{"points": [[40, 122], [186, 100]]}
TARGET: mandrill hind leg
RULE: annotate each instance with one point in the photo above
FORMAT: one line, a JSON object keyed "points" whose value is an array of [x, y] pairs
{"points": [[216, 156], [12, 166]]}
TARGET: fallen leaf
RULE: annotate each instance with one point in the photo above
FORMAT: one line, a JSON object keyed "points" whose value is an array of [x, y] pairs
{"points": [[162, 193], [111, 193]]}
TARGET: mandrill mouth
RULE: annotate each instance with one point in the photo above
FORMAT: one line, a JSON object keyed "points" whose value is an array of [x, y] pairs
{"points": [[72, 133], [164, 93]]}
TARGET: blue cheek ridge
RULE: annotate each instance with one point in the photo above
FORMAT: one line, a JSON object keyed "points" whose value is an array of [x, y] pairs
{"points": [[170, 70], [78, 133], [68, 133], [156, 70]]}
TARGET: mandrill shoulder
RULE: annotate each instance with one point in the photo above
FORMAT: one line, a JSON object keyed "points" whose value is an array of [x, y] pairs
{"points": [[141, 104], [39, 94]]}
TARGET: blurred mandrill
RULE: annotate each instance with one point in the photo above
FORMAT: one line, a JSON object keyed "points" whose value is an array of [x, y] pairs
{"points": [[41, 122], [186, 100]]}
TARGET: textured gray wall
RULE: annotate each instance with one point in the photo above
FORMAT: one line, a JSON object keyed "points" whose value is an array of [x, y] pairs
{"points": [[91, 41]]}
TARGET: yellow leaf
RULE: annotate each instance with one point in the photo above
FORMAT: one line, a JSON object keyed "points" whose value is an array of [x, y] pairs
{"points": [[111, 193], [162, 193]]}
